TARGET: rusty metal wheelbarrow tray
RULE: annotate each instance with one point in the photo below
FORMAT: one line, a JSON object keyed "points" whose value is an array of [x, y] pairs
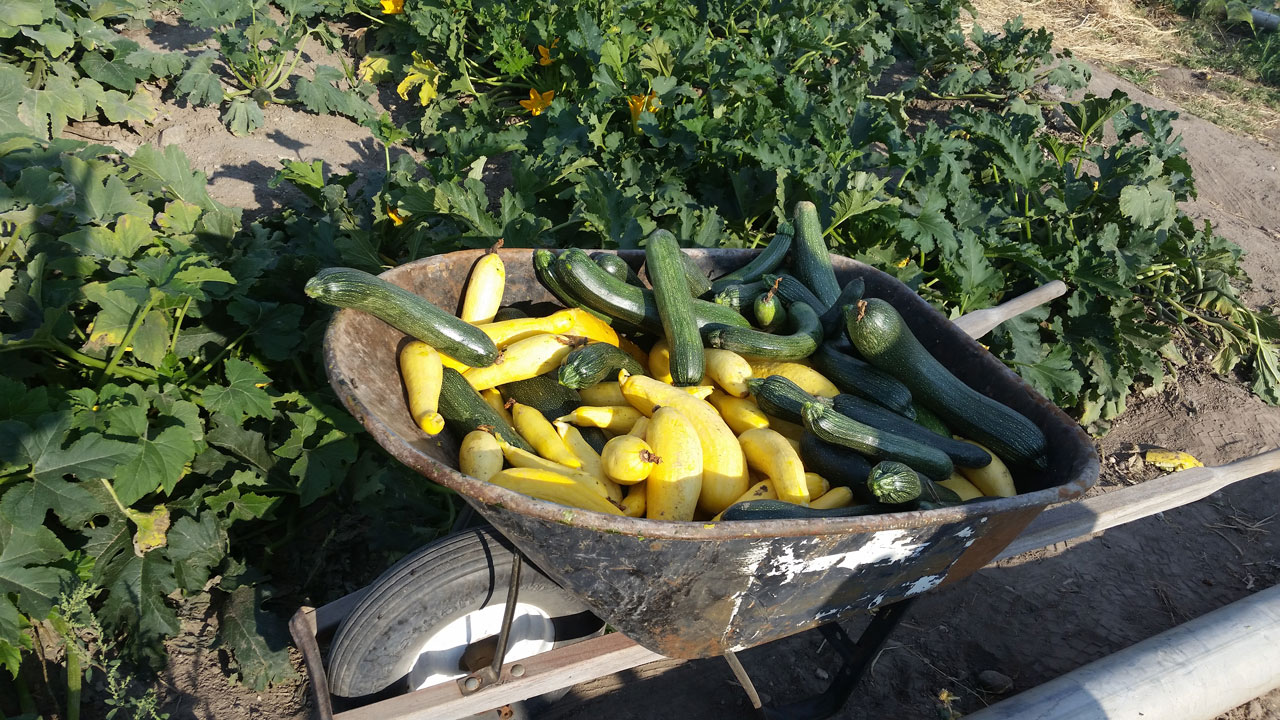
{"points": [[695, 589]]}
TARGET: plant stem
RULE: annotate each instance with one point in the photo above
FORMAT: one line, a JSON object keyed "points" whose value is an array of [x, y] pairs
{"points": [[9, 248], [177, 323], [112, 492], [1233, 328], [73, 680], [133, 373], [216, 359], [128, 337]]}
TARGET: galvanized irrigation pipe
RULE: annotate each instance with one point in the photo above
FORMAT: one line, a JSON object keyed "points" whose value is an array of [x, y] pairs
{"points": [[1195, 671]]}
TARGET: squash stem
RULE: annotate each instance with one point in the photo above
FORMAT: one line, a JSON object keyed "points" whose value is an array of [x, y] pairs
{"points": [[73, 680], [118, 353], [133, 373], [217, 358], [177, 323]]}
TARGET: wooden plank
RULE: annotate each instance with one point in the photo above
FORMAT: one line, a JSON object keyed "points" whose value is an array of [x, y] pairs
{"points": [[1117, 507], [543, 673], [980, 322]]}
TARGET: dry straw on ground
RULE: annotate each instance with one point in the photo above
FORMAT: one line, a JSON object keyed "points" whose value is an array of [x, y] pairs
{"points": [[1119, 33], [1106, 31]]}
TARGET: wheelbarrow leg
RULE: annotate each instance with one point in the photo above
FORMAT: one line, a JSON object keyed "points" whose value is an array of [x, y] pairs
{"points": [[857, 656]]}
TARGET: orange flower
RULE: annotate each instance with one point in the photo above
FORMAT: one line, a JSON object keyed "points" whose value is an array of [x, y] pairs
{"points": [[538, 102], [545, 52], [640, 103], [396, 218], [392, 7], [636, 104]]}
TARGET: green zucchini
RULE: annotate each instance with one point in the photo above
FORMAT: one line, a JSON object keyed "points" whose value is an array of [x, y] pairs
{"points": [[929, 421], [884, 339], [769, 259], [830, 426], [932, 492], [810, 260], [838, 464], [741, 297], [464, 410], [780, 510], [663, 260], [509, 313], [854, 376], [404, 311], [595, 437], [962, 454], [600, 291], [792, 290], [894, 483], [694, 276], [781, 397], [833, 318], [593, 363], [544, 394], [769, 312], [617, 267], [806, 334], [544, 267]]}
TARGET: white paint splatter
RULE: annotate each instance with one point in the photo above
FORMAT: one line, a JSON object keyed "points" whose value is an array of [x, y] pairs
{"points": [[928, 582], [750, 563], [964, 532], [888, 546]]}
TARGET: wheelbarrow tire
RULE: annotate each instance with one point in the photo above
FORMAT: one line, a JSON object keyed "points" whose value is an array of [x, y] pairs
{"points": [[375, 649]]}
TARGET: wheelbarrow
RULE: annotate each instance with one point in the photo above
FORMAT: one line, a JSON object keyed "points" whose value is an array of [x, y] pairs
{"points": [[675, 590]]}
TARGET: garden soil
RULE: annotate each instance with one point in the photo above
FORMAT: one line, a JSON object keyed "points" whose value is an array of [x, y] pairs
{"points": [[1030, 618]]}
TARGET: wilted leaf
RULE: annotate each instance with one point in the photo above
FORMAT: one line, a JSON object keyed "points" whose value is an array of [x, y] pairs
{"points": [[256, 639], [424, 75]]}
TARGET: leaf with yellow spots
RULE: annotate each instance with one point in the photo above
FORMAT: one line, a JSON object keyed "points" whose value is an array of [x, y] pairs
{"points": [[153, 529]]}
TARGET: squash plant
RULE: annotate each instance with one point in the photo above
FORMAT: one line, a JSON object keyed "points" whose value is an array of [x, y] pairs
{"points": [[64, 61], [260, 55], [932, 154], [165, 426]]}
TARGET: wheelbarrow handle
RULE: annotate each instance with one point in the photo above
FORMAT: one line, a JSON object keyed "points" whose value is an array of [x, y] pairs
{"points": [[1069, 521], [980, 322]]}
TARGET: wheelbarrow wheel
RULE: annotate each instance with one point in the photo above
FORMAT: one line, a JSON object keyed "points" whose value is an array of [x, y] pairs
{"points": [[418, 619]]}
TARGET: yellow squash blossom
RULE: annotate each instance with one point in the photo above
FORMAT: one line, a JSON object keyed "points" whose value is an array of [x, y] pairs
{"points": [[392, 7], [638, 104], [538, 102], [396, 218], [545, 52]]}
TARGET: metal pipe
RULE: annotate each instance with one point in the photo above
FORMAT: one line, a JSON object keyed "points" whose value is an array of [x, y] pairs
{"points": [[1265, 20], [1195, 671]]}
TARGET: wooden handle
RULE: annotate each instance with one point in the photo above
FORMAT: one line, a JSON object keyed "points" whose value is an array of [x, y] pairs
{"points": [[980, 322], [1077, 519]]}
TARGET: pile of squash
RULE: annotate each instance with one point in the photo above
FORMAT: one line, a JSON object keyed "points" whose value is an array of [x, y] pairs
{"points": [[762, 394]]}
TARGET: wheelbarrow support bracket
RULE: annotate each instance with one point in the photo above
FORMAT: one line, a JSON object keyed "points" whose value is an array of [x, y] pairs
{"points": [[856, 657], [491, 674]]}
